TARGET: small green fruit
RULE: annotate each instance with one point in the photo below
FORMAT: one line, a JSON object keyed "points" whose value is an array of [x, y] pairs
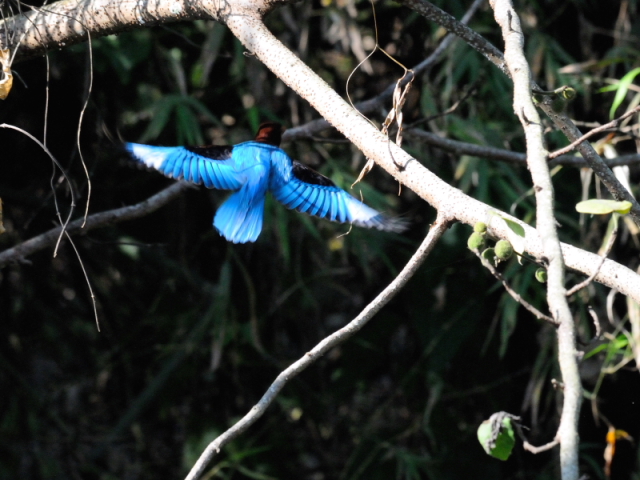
{"points": [[476, 241], [541, 275], [480, 227], [504, 250], [569, 93]]}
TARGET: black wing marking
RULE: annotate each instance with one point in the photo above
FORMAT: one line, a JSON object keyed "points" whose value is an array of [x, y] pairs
{"points": [[309, 175], [212, 152]]}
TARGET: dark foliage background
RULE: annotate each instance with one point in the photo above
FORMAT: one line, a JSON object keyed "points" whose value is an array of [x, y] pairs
{"points": [[194, 329]]}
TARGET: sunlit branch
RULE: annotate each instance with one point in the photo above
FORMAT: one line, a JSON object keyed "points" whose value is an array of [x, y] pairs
{"points": [[244, 20], [527, 113], [437, 230], [589, 134], [561, 120]]}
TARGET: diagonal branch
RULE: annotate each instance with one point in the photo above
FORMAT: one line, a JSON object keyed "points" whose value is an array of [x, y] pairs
{"points": [[97, 220], [437, 230], [515, 295], [561, 120], [250, 30], [244, 18], [590, 133]]}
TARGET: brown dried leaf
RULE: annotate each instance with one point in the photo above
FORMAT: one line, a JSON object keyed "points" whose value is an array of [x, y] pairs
{"points": [[6, 82]]}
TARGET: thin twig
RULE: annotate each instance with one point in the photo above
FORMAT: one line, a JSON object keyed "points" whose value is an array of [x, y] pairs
{"points": [[437, 230], [605, 254], [372, 105], [601, 128], [500, 154], [86, 277], [596, 321], [84, 109], [515, 295], [532, 448], [102, 219], [72, 206], [470, 91]]}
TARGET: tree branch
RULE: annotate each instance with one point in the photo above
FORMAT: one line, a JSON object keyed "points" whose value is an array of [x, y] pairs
{"points": [[437, 230], [97, 220], [244, 18], [515, 295], [517, 158], [561, 120], [509, 22], [590, 133], [290, 69], [67, 22]]}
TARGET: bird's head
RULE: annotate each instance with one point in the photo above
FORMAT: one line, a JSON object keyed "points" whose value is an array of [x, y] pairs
{"points": [[270, 133]]}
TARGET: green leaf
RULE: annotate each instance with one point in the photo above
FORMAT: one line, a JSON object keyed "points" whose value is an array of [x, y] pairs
{"points": [[502, 445], [622, 89], [516, 234], [596, 206]]}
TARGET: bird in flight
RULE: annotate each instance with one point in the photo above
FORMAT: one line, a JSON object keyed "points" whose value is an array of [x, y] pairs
{"points": [[250, 170]]}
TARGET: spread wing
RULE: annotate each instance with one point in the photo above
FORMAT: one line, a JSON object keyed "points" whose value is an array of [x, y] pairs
{"points": [[307, 191], [211, 165]]}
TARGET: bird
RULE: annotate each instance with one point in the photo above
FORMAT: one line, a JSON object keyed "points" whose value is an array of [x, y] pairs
{"points": [[250, 170]]}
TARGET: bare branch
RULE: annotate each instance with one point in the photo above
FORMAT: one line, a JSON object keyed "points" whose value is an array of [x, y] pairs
{"points": [[515, 295], [97, 220], [241, 18], [68, 22], [500, 154], [542, 448], [605, 254], [561, 120], [437, 230], [509, 22], [296, 74], [601, 128]]}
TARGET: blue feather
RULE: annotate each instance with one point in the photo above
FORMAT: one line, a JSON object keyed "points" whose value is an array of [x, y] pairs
{"points": [[251, 169]]}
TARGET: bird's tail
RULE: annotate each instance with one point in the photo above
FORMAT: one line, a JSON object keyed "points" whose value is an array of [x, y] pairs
{"points": [[239, 219]]}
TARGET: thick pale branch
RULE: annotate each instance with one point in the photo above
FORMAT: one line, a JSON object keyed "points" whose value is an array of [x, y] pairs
{"points": [[288, 67], [244, 18], [97, 220], [67, 22], [524, 108], [437, 229]]}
